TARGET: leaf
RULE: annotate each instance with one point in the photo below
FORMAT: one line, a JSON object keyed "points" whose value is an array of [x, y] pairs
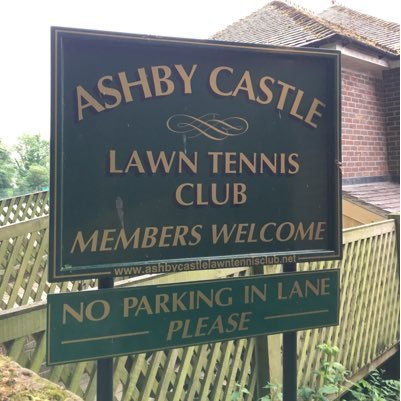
{"points": [[305, 392], [235, 396], [329, 389]]}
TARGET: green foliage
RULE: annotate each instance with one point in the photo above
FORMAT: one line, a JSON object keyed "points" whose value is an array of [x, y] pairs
{"points": [[237, 395], [329, 378], [329, 381], [25, 168], [32, 162], [274, 392], [375, 388], [31, 150], [7, 172]]}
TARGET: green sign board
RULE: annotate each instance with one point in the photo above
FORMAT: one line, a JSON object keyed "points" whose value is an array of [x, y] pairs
{"points": [[105, 323], [176, 154]]}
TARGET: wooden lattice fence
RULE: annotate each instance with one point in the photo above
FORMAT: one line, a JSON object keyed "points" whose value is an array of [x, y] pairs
{"points": [[369, 302], [368, 330], [24, 207], [23, 264]]}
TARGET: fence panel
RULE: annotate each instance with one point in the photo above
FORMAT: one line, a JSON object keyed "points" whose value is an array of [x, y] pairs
{"points": [[24, 207], [23, 264], [369, 301]]}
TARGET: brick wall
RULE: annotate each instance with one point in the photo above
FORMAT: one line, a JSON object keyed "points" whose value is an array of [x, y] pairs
{"points": [[391, 81], [364, 145]]}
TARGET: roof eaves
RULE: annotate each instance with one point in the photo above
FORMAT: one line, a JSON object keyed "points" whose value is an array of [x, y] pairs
{"points": [[337, 29]]}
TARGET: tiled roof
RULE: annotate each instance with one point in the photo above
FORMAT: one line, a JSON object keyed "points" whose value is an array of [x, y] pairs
{"points": [[384, 33], [380, 197], [281, 24], [276, 24]]}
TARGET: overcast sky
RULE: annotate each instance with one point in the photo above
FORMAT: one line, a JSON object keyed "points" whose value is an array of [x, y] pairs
{"points": [[25, 40]]}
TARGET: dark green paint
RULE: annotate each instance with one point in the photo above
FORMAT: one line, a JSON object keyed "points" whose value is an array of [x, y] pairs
{"points": [[86, 197], [217, 316]]}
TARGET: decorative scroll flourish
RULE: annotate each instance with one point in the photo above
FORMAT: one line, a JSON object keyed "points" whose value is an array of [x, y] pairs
{"points": [[208, 125]]}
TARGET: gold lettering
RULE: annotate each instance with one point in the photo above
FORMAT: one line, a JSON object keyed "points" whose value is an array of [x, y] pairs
{"points": [[321, 228], [261, 294], [295, 105], [149, 237], [313, 111], [230, 160], [266, 90], [280, 229], [284, 92], [142, 82], [186, 78], [244, 319], [197, 235], [179, 236], [105, 239], [129, 303], [280, 291], [134, 161], [302, 233], [178, 194], [213, 80], [112, 163], [218, 299], [145, 306], [245, 84], [325, 286], [241, 231], [200, 325], [102, 316], [184, 159], [160, 75], [90, 101], [165, 235], [108, 91], [239, 195], [309, 286], [79, 316], [154, 165], [122, 237], [161, 301], [215, 159], [174, 327], [79, 240], [296, 289], [293, 163], [263, 232]]}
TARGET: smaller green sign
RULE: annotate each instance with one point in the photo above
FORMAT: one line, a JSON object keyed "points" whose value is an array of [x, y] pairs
{"points": [[106, 323]]}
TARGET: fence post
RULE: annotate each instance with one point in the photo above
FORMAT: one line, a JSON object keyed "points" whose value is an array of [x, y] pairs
{"points": [[105, 368], [261, 354], [290, 354], [396, 217]]}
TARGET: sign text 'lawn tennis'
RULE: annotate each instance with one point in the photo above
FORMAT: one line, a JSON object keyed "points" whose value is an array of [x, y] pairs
{"points": [[174, 154]]}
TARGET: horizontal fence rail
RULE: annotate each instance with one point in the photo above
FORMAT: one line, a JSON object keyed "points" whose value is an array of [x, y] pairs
{"points": [[24, 207], [369, 321]]}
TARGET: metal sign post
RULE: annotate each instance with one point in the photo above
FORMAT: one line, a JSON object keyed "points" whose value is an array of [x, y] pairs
{"points": [[105, 371], [290, 354]]}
